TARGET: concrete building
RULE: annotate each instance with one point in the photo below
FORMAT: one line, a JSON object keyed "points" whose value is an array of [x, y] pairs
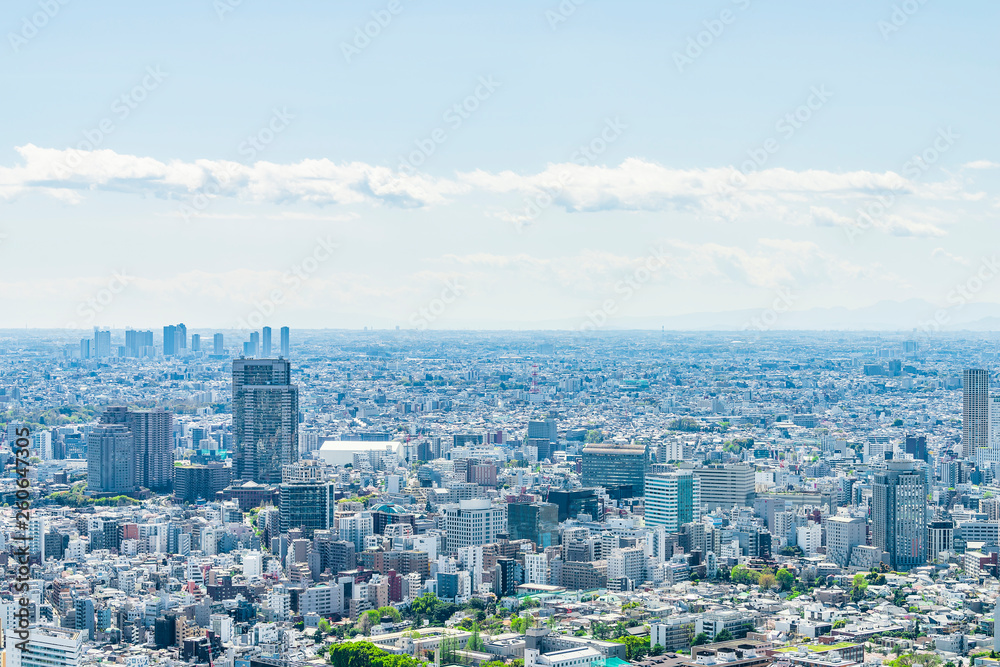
{"points": [[843, 533]]}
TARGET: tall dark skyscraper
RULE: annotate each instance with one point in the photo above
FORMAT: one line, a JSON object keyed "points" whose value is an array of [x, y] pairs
{"points": [[265, 343], [975, 411], [110, 460], [284, 342], [265, 419], [153, 447], [899, 521]]}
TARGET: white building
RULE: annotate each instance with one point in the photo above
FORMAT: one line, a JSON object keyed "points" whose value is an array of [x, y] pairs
{"points": [[474, 522], [809, 538], [583, 656], [630, 563], [536, 569], [49, 647]]}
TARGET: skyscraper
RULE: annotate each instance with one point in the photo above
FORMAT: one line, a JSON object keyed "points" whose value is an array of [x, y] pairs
{"points": [[307, 498], [102, 344], [538, 522], [218, 344], [196, 342], [265, 419], [621, 469], [899, 522], [152, 444], [726, 486], [170, 342], [975, 411], [672, 500], [138, 343], [110, 460], [254, 344], [265, 342], [284, 342], [843, 533]]}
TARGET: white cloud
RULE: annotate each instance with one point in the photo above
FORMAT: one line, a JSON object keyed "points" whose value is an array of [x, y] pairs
{"points": [[981, 164], [822, 198]]}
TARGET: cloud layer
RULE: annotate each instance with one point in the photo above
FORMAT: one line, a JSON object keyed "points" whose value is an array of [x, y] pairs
{"points": [[814, 197]]}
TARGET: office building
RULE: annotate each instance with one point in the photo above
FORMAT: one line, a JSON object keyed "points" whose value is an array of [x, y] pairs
{"points": [[573, 503], [152, 439], [196, 342], [265, 419], [138, 343], [254, 343], [474, 522], [48, 646], [975, 412], [538, 522], [916, 446], [83, 617], [110, 460], [102, 344], [619, 468], [195, 481], [726, 486], [307, 498], [285, 342], [672, 500], [940, 539], [899, 523], [536, 569], [265, 342], [218, 345], [843, 533]]}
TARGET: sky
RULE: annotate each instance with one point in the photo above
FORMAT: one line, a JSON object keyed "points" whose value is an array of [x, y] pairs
{"points": [[439, 165]]}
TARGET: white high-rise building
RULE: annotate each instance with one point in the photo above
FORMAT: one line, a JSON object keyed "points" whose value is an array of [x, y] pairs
{"points": [[629, 562], [474, 522], [975, 411], [37, 527], [48, 647], [252, 565], [471, 558], [843, 533], [536, 569], [356, 528]]}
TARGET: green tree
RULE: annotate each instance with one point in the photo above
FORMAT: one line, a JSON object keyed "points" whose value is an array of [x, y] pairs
{"points": [[699, 639], [391, 612], [724, 636], [475, 642], [657, 650], [785, 579], [858, 587], [324, 626]]}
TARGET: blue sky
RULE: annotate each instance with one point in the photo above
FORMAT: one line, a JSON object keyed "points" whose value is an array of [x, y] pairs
{"points": [[893, 79]]}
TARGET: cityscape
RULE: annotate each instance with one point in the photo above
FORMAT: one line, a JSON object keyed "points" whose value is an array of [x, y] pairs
{"points": [[534, 333], [488, 498]]}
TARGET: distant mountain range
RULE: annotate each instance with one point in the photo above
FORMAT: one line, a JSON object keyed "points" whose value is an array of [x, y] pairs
{"points": [[914, 315]]}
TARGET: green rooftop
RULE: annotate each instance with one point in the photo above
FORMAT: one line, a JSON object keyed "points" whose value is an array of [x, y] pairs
{"points": [[817, 648]]}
